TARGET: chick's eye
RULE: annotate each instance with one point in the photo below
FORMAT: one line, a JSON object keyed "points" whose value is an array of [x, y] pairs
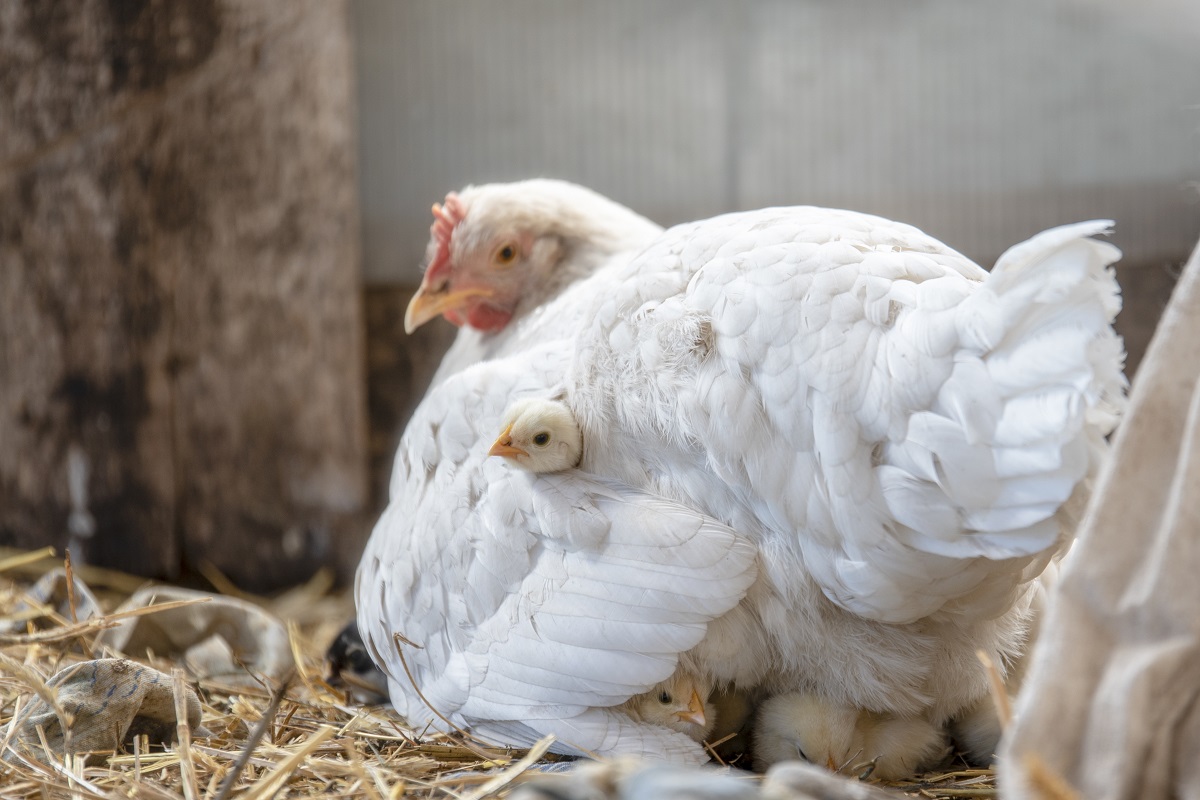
{"points": [[664, 697], [541, 439], [506, 254]]}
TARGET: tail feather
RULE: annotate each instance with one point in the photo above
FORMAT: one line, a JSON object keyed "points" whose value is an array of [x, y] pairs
{"points": [[1052, 354], [1020, 425]]}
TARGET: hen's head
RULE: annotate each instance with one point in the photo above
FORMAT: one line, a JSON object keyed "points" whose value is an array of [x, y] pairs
{"points": [[540, 435], [498, 250]]}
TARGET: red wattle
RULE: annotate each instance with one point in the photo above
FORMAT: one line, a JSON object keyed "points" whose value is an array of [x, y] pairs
{"points": [[488, 319]]}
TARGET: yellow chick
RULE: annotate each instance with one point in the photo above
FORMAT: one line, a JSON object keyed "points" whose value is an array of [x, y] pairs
{"points": [[844, 739], [539, 435], [679, 703]]}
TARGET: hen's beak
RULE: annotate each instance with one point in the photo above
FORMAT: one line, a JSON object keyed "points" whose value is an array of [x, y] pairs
{"points": [[504, 446], [695, 712], [427, 304]]}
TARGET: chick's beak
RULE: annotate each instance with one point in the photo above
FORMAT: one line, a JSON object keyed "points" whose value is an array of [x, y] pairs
{"points": [[695, 711], [503, 446]]}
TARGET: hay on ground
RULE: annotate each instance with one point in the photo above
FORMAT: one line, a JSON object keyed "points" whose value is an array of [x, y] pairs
{"points": [[303, 739]]}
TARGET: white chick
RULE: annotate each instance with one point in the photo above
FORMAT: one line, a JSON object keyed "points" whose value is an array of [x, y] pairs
{"points": [[844, 739], [679, 703], [540, 436]]}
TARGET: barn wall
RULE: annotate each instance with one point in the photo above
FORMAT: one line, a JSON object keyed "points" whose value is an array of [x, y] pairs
{"points": [[980, 122]]}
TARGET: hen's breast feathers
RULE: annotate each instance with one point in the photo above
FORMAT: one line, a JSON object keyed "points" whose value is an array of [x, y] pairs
{"points": [[913, 421]]}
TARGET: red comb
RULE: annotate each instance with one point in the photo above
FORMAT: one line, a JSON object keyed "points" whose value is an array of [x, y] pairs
{"points": [[446, 215]]}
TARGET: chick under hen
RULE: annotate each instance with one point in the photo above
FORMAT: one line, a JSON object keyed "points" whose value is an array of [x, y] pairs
{"points": [[679, 703], [805, 726]]}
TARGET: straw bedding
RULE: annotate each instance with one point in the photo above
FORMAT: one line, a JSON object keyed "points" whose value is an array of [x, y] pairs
{"points": [[298, 737]]}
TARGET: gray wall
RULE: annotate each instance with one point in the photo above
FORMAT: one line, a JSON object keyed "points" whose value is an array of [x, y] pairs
{"points": [[981, 122]]}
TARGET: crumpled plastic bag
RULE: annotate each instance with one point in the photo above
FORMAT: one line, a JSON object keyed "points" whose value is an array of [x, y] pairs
{"points": [[51, 591], [218, 639], [1110, 703], [108, 702]]}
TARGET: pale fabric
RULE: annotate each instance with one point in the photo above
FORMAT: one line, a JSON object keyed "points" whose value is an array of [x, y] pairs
{"points": [[222, 637], [51, 592], [1110, 701], [107, 702]]}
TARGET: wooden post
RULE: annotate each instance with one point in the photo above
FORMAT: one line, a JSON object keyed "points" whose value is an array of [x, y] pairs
{"points": [[179, 293]]}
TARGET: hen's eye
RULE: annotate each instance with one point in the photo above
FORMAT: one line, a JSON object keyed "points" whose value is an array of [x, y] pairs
{"points": [[664, 697], [541, 439], [506, 254]]}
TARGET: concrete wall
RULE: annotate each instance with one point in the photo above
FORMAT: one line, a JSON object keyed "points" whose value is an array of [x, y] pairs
{"points": [[980, 122]]}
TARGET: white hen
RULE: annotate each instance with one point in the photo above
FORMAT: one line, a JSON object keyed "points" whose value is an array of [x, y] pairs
{"points": [[894, 430]]}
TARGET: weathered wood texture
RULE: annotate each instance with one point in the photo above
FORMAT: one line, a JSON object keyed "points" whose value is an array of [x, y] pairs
{"points": [[179, 296]]}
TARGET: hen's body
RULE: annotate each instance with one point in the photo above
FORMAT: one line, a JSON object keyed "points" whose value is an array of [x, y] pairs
{"points": [[888, 431], [895, 428]]}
